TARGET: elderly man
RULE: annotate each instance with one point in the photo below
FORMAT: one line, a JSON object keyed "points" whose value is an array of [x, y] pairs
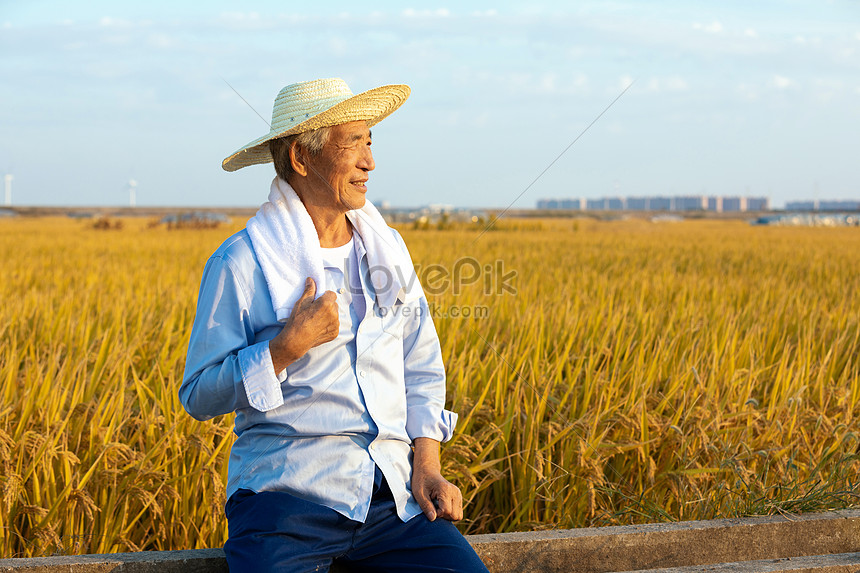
{"points": [[311, 326]]}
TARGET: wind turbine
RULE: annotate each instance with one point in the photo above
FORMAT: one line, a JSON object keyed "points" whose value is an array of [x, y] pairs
{"points": [[132, 195], [9, 179]]}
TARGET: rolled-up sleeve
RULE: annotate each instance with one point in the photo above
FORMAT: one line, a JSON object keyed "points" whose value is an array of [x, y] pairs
{"points": [[262, 385], [424, 372]]}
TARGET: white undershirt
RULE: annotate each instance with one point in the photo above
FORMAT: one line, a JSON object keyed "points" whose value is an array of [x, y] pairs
{"points": [[341, 266]]}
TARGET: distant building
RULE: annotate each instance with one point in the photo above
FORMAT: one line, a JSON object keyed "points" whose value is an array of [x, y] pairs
{"points": [[614, 203], [567, 204], [693, 203], [684, 203], [595, 205], [801, 206], [734, 204], [758, 204], [827, 205], [638, 204], [660, 203], [838, 205]]}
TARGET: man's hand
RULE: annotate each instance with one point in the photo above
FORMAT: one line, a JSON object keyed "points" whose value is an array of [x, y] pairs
{"points": [[436, 496], [311, 323]]}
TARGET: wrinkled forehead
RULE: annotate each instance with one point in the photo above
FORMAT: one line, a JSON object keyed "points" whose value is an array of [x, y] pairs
{"points": [[351, 131]]}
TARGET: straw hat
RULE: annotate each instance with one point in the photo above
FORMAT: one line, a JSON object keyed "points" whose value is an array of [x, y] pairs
{"points": [[318, 103]]}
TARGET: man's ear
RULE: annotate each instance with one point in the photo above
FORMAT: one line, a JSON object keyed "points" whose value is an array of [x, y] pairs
{"points": [[298, 159]]}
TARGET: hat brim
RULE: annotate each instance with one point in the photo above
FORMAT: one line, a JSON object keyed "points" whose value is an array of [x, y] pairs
{"points": [[371, 106]]}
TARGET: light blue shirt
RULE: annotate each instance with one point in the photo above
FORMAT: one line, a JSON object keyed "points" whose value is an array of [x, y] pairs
{"points": [[318, 429]]}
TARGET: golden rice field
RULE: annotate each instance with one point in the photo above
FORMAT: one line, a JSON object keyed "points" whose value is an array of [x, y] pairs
{"points": [[640, 372]]}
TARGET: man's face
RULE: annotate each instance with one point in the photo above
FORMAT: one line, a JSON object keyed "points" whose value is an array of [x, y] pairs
{"points": [[340, 172]]}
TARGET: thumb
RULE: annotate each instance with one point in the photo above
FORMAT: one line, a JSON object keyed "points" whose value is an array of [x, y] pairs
{"points": [[310, 290], [426, 504]]}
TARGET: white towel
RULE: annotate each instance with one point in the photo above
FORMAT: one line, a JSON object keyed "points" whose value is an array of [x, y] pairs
{"points": [[288, 248]]}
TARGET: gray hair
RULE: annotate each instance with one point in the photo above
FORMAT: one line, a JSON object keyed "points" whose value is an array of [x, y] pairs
{"points": [[311, 141]]}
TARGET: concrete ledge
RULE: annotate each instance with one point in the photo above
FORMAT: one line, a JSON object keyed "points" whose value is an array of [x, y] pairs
{"points": [[763, 543], [663, 545], [841, 563], [187, 561]]}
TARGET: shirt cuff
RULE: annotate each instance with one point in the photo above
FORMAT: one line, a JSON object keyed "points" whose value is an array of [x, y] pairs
{"points": [[262, 385], [424, 423]]}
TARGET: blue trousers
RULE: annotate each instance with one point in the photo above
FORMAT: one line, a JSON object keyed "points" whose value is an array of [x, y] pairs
{"points": [[275, 531]]}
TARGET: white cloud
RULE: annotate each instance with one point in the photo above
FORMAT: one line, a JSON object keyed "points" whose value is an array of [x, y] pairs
{"points": [[750, 33], [485, 13], [670, 84], [547, 83], [249, 20], [576, 52], [160, 41], [338, 47], [857, 36], [109, 22], [677, 84], [747, 92], [827, 89], [240, 16], [782, 82], [552, 83], [439, 13], [803, 40], [713, 28], [107, 70], [117, 39]]}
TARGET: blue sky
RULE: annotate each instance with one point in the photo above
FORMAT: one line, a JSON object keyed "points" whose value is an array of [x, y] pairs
{"points": [[730, 98]]}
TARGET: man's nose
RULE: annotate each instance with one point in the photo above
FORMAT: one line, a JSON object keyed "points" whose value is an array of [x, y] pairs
{"points": [[366, 162]]}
